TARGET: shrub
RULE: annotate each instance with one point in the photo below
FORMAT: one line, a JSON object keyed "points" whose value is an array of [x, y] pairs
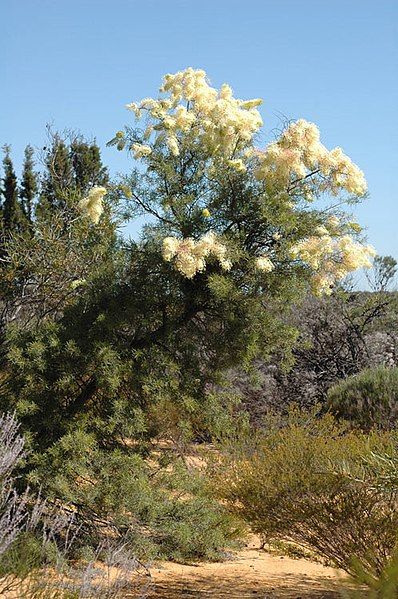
{"points": [[368, 399], [382, 470], [38, 542], [107, 342], [380, 586], [303, 481], [339, 336], [153, 501], [110, 572], [13, 510]]}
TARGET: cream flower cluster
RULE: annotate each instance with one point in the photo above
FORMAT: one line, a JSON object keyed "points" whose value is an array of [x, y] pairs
{"points": [[92, 205], [140, 150], [299, 152], [221, 124], [190, 255], [265, 264], [332, 258]]}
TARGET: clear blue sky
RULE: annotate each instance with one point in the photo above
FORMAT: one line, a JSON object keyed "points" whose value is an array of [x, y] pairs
{"points": [[76, 63]]}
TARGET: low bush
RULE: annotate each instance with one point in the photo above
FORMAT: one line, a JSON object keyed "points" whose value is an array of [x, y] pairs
{"points": [[382, 471], [383, 585], [38, 541], [306, 481], [367, 399], [150, 498]]}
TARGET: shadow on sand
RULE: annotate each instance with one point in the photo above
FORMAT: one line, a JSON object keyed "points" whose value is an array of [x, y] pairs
{"points": [[292, 587]]}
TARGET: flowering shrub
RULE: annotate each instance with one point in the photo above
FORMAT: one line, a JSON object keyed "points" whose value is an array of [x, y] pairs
{"points": [[194, 112], [110, 343], [299, 154], [193, 118]]}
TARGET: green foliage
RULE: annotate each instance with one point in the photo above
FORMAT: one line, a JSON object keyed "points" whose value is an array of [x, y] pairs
{"points": [[120, 331], [382, 276], [37, 569], [379, 586], [25, 555], [29, 184], [157, 504], [300, 482], [381, 472], [367, 399], [72, 166], [337, 337], [12, 215]]}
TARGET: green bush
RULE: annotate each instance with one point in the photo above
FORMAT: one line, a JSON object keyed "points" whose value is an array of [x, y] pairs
{"points": [[155, 502], [382, 470], [305, 481], [40, 541], [381, 586], [368, 399]]}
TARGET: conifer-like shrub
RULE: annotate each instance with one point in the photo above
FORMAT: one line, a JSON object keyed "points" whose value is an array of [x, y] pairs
{"points": [[367, 399], [306, 481], [157, 504], [39, 542]]}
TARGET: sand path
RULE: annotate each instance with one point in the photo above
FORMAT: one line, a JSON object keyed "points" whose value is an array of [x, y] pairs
{"points": [[251, 573]]}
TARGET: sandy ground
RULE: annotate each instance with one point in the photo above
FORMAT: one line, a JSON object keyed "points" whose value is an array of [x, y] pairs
{"points": [[251, 573]]}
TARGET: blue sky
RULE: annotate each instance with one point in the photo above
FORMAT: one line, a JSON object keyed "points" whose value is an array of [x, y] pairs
{"points": [[76, 63]]}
